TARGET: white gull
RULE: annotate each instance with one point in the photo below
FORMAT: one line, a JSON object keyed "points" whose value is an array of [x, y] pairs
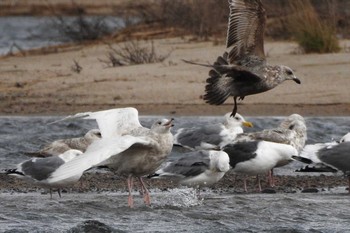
{"points": [[125, 147]]}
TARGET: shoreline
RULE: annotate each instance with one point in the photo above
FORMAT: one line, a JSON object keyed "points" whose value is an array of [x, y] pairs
{"points": [[306, 110], [107, 181]]}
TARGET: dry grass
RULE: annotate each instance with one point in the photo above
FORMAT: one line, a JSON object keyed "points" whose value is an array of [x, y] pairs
{"points": [[312, 34], [133, 53], [197, 17]]}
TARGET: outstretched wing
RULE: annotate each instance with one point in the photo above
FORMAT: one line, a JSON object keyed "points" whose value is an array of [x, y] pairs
{"points": [[112, 122], [246, 30], [96, 154]]}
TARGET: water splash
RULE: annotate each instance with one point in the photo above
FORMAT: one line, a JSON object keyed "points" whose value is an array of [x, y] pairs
{"points": [[177, 197]]}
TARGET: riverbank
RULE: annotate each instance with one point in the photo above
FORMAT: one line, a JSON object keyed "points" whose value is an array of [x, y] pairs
{"points": [[45, 84]]}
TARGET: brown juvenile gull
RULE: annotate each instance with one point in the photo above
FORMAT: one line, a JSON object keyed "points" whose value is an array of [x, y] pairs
{"points": [[125, 147], [39, 170], [60, 146], [211, 136], [243, 70], [327, 157], [196, 169], [291, 131]]}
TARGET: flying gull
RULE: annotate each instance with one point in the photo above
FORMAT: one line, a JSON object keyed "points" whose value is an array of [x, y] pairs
{"points": [[60, 146], [327, 157], [291, 131], [211, 136], [243, 70], [39, 170], [196, 169], [126, 147]]}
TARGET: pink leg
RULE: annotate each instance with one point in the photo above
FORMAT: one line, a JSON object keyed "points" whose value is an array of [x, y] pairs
{"points": [[258, 181], [245, 184], [146, 196], [130, 199], [271, 178]]}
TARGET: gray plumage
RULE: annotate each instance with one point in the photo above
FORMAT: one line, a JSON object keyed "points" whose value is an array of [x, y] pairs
{"points": [[291, 131], [211, 136], [330, 156], [197, 168], [39, 170], [60, 146], [243, 70], [327, 157]]}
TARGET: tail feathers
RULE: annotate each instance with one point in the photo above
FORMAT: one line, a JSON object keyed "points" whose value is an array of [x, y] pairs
{"points": [[14, 172], [221, 60], [302, 159], [153, 176], [216, 91], [38, 154], [316, 169]]}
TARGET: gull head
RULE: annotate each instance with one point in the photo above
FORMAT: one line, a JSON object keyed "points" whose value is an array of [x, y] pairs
{"points": [[237, 120], [162, 126], [286, 73]]}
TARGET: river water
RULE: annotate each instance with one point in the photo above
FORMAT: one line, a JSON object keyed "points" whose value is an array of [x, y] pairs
{"points": [[29, 32], [175, 210]]}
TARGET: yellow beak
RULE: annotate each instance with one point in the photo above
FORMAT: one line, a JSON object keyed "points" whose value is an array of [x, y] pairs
{"points": [[248, 124]]}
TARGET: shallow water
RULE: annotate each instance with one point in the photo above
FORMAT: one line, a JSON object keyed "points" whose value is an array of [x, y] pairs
{"points": [[176, 210]]}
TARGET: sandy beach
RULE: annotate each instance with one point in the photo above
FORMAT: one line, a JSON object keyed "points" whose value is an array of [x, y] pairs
{"points": [[45, 84]]}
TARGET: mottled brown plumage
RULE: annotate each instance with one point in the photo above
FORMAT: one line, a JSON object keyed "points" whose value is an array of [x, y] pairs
{"points": [[243, 70]]}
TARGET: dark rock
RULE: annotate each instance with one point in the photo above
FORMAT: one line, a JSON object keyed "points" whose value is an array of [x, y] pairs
{"points": [[310, 190]]}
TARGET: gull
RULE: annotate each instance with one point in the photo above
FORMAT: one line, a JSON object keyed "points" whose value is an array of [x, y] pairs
{"points": [[257, 157], [59, 146], [244, 70], [196, 169], [291, 131], [38, 170], [126, 147], [327, 157], [211, 136]]}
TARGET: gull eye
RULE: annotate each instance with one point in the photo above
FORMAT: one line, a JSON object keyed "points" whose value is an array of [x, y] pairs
{"points": [[289, 72], [291, 127], [159, 123], [237, 118]]}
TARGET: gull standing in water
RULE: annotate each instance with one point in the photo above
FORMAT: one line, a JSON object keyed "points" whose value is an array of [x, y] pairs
{"points": [[196, 169], [244, 71], [38, 171], [258, 152], [211, 136], [125, 147]]}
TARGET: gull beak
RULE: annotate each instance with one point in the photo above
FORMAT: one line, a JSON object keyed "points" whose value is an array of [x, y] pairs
{"points": [[248, 124], [295, 79], [169, 124]]}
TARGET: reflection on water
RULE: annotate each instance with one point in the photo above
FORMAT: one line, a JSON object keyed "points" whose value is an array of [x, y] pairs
{"points": [[176, 210]]}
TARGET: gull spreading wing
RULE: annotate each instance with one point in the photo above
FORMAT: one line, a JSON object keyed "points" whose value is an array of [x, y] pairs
{"points": [[246, 29], [112, 122], [96, 154]]}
